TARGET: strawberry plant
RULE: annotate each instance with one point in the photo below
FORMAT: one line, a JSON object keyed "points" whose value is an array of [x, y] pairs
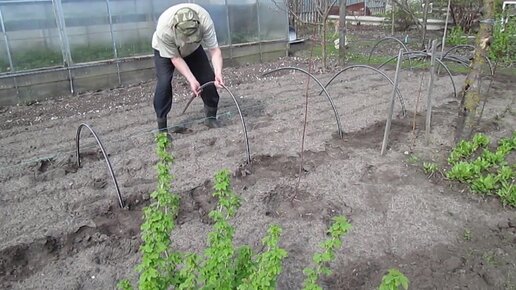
{"points": [[489, 173], [393, 280]]}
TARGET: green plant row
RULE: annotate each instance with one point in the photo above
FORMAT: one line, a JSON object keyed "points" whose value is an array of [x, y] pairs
{"points": [[503, 45], [41, 57], [222, 265], [488, 173]]}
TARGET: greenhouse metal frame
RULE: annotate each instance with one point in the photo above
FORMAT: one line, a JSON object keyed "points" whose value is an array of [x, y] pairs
{"points": [[60, 47]]}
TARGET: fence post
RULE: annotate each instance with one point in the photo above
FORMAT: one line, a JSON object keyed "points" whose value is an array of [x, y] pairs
{"points": [[391, 104], [429, 94]]}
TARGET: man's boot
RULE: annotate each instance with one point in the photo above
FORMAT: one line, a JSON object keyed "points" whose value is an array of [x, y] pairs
{"points": [[211, 117], [163, 128]]}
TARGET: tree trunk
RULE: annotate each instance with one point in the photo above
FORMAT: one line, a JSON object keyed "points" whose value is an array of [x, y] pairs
{"points": [[342, 31], [471, 94]]}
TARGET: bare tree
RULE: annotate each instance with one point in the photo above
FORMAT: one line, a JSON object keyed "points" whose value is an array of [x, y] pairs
{"points": [[464, 13], [324, 11], [404, 5], [321, 8], [471, 95]]}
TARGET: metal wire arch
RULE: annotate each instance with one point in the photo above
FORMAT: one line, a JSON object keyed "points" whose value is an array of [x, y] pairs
{"points": [[337, 117], [110, 169]]}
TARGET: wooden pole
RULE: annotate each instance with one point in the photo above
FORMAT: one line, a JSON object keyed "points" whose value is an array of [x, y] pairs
{"points": [[429, 94], [391, 104], [443, 42]]}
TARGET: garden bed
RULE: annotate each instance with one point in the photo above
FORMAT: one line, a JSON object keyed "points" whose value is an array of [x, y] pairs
{"points": [[62, 228]]}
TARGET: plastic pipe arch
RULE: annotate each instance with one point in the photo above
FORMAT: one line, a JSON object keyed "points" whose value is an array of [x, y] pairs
{"points": [[246, 139], [77, 143], [426, 55], [337, 117], [402, 102]]}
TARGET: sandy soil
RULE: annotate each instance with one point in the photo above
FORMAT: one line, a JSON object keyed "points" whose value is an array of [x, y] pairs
{"points": [[62, 228]]}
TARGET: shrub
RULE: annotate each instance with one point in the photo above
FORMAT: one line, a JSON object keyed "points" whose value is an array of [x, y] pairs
{"points": [[222, 266], [503, 46], [456, 37]]}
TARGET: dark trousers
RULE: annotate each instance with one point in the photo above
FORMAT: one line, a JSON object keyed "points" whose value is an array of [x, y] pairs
{"points": [[199, 66]]}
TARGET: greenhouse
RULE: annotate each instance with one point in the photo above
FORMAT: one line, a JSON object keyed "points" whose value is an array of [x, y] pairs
{"points": [[61, 47]]}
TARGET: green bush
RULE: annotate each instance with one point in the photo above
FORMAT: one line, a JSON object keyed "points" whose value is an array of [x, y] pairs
{"points": [[503, 45], [222, 266], [456, 37]]}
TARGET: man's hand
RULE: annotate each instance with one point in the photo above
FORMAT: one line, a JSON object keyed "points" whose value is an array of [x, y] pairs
{"points": [[219, 82], [183, 68], [195, 87]]}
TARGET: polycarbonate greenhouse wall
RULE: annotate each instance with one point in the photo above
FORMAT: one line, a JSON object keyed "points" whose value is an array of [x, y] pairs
{"points": [[66, 38]]}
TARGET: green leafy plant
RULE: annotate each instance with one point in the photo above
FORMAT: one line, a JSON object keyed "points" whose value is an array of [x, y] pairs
{"points": [[503, 45], [124, 285], [430, 167], [393, 280], [489, 172], [462, 171], [158, 265], [467, 235], [480, 140], [222, 265], [268, 264], [507, 193], [338, 229], [456, 37], [465, 148], [413, 159], [484, 184]]}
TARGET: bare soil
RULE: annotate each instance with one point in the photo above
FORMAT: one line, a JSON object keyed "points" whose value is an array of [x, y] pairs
{"points": [[62, 228]]}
